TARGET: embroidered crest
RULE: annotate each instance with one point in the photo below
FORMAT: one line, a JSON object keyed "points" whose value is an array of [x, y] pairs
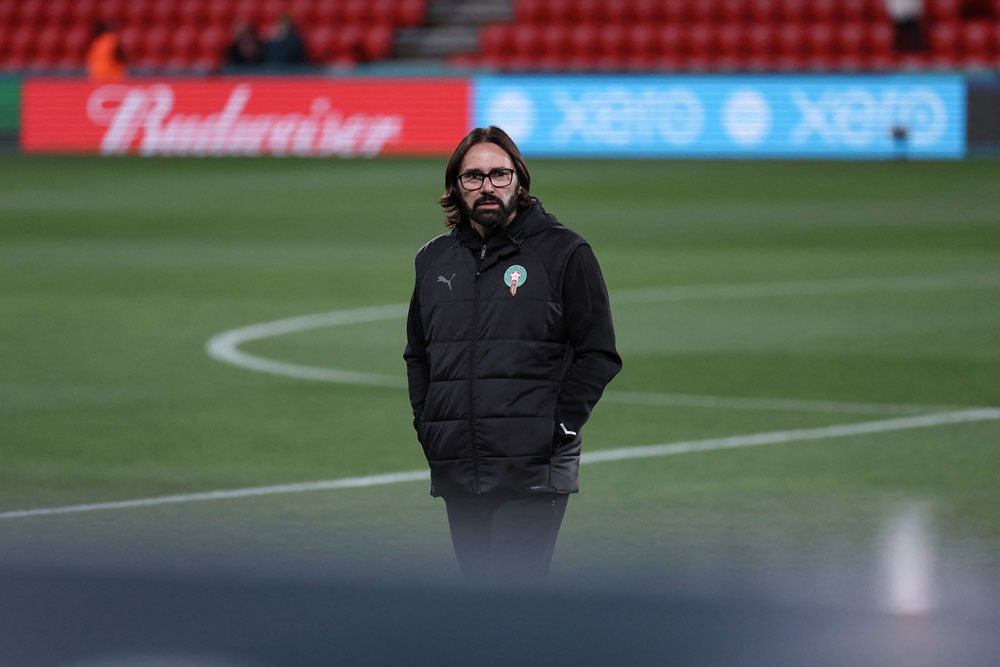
{"points": [[515, 276]]}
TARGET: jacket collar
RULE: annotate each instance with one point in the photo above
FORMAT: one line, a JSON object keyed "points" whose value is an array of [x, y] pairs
{"points": [[505, 240]]}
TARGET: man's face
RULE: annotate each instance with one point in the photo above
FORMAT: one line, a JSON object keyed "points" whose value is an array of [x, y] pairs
{"points": [[489, 205]]}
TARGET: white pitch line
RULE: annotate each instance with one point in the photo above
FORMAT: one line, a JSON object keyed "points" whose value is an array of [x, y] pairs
{"points": [[776, 404], [794, 435], [225, 345], [601, 456], [806, 287]]}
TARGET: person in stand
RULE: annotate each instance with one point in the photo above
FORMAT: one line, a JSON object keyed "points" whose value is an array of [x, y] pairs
{"points": [[907, 16], [246, 48], [286, 47], [105, 57], [510, 344]]}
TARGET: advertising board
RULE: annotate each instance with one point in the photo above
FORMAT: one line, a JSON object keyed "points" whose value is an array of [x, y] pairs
{"points": [[858, 116], [259, 116]]}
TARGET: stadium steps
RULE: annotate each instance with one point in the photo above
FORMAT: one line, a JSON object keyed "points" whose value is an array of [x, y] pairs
{"points": [[452, 27]]}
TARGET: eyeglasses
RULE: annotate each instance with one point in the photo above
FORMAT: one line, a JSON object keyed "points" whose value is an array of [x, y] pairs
{"points": [[473, 180]]}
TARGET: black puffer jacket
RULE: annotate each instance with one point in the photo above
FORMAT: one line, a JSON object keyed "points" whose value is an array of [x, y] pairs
{"points": [[509, 346]]}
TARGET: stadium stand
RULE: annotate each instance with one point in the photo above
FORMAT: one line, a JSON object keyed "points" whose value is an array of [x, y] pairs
{"points": [[53, 35], [732, 35], [539, 35]]}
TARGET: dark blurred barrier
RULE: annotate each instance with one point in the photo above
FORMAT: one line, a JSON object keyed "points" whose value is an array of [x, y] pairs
{"points": [[64, 618], [984, 114]]}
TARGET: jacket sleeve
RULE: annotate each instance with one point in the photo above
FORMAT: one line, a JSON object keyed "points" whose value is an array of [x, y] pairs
{"points": [[591, 335], [415, 355]]}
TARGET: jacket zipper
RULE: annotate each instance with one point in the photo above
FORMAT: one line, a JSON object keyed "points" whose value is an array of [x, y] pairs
{"points": [[472, 374]]}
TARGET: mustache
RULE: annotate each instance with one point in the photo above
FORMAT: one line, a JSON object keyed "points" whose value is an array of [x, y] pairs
{"points": [[488, 199]]}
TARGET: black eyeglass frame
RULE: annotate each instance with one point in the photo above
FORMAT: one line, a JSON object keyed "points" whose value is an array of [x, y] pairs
{"points": [[481, 178]]}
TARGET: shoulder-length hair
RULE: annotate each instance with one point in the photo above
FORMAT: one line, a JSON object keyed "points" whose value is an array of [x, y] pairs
{"points": [[451, 200]]}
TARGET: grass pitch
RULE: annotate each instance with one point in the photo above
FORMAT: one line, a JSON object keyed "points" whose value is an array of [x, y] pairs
{"points": [[850, 291]]}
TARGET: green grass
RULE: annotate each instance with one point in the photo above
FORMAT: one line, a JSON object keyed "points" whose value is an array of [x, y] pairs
{"points": [[115, 272]]}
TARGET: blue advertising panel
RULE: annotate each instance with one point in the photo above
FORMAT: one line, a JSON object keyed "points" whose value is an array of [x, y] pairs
{"points": [[794, 116]]}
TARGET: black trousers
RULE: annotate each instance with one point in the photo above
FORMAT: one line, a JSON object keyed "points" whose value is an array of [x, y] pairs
{"points": [[505, 539]]}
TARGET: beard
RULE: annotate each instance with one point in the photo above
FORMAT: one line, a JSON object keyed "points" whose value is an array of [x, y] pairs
{"points": [[488, 218]]}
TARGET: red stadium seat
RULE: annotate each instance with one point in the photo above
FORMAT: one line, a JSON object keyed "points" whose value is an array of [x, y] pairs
{"points": [[348, 45], [165, 12], [356, 12], [613, 11], [790, 39], [792, 11], [83, 13], [138, 13], [852, 11], [763, 11], [131, 40], [669, 38], [249, 10], [944, 11], [110, 10], [586, 11], [943, 38], [22, 43], [643, 12], [678, 11], [820, 39], [555, 44], [156, 44], [493, 39], [526, 41], [383, 12], [734, 11], [410, 13], [326, 13], [850, 38], [49, 44], [977, 43], [30, 12], [213, 39], [611, 40], [8, 15], [321, 40], [640, 42], [76, 40], [760, 40], [820, 11], [880, 39], [703, 11], [583, 43], [530, 11], [698, 39], [57, 12], [376, 42], [731, 39], [183, 44], [221, 13]]}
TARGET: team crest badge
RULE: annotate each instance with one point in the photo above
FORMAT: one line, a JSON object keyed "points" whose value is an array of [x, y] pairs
{"points": [[515, 277]]}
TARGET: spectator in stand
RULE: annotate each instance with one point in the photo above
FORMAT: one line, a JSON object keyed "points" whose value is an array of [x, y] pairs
{"points": [[907, 16], [247, 48], [286, 46], [105, 58]]}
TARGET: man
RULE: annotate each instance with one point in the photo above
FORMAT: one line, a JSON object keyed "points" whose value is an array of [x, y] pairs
{"points": [[509, 347]]}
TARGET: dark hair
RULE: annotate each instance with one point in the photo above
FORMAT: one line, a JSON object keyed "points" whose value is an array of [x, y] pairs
{"points": [[451, 200]]}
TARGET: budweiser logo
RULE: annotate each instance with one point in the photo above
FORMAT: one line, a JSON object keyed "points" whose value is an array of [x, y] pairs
{"points": [[142, 119]]}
